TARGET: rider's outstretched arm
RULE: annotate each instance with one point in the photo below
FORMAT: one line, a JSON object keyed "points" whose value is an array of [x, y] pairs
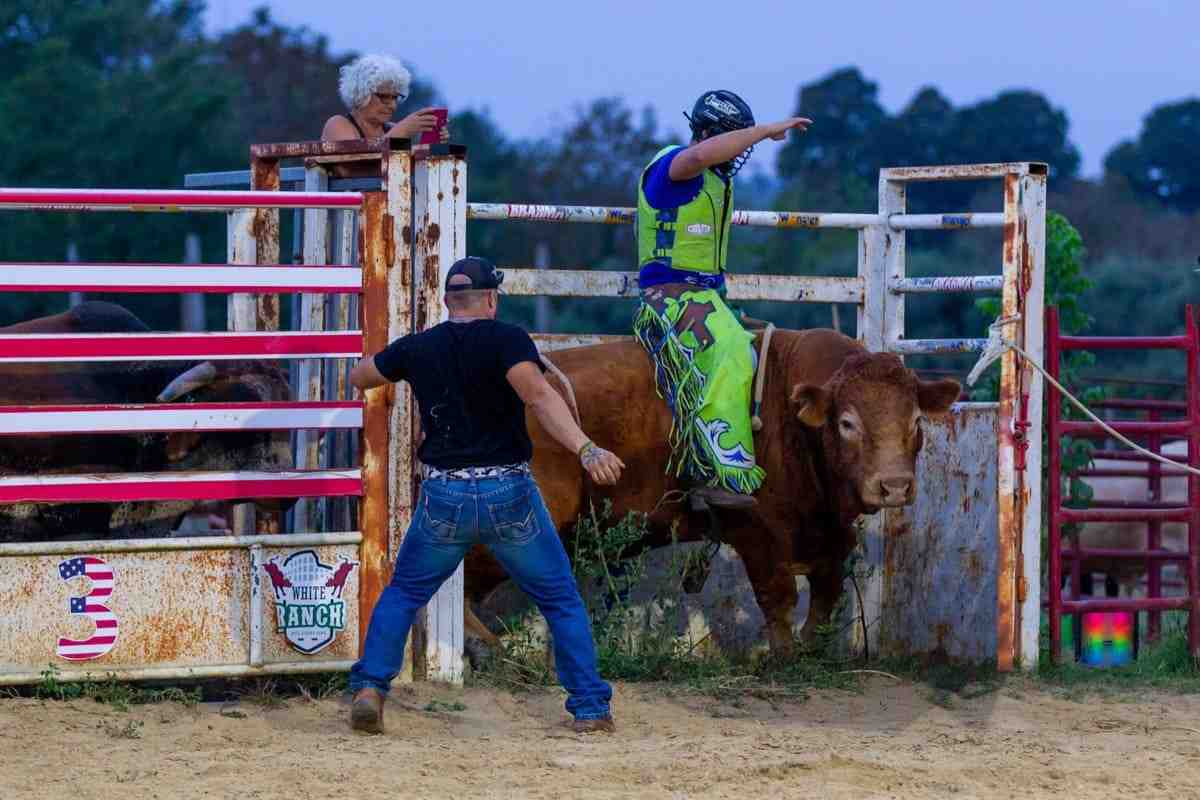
{"points": [[723, 147]]}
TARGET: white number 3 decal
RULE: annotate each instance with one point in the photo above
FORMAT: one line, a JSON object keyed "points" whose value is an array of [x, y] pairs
{"points": [[90, 605]]}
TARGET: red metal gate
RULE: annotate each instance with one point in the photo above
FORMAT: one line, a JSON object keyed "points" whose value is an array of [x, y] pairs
{"points": [[1153, 512]]}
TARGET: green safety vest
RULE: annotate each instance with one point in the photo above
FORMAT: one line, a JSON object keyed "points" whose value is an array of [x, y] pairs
{"points": [[694, 236]]}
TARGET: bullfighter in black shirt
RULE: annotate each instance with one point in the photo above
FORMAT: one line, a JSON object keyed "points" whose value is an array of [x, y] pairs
{"points": [[473, 376]]}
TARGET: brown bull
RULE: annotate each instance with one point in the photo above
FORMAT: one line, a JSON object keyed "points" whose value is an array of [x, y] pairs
{"points": [[39, 383], [840, 438]]}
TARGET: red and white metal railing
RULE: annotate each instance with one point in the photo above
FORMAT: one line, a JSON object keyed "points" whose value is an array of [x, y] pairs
{"points": [[1152, 512], [168, 200], [170, 278]]}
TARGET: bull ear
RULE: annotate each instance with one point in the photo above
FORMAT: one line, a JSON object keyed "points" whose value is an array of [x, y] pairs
{"points": [[812, 404], [936, 397]]}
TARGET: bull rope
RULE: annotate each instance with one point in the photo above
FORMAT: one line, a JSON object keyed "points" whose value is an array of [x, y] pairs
{"points": [[996, 346], [567, 387], [760, 378]]}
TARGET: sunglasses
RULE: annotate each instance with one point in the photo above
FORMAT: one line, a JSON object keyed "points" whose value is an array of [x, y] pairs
{"points": [[385, 97]]}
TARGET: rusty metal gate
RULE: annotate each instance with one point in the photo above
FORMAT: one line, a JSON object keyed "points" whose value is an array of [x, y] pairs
{"points": [[183, 607]]}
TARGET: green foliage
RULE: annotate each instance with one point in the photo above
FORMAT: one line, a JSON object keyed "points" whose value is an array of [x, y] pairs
{"points": [[119, 695], [1163, 164], [436, 706], [854, 137], [1166, 664]]}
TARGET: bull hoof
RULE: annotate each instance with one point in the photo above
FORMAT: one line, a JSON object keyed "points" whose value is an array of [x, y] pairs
{"points": [[477, 651]]}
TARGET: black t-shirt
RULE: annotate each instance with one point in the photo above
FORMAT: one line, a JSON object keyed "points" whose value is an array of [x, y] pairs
{"points": [[470, 413]]}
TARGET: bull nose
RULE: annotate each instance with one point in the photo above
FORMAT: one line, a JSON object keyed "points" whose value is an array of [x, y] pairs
{"points": [[896, 489]]}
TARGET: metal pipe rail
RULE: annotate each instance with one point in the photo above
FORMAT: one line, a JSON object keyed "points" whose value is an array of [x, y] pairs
{"points": [[1126, 604], [171, 278], [110, 546], [605, 283], [171, 200], [971, 283], [1125, 428], [1143, 514], [197, 417], [46, 347], [925, 347], [1128, 555]]}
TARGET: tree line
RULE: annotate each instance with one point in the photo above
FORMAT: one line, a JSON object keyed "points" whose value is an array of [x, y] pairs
{"points": [[134, 93]]}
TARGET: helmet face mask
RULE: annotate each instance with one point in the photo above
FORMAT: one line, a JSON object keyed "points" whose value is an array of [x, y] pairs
{"points": [[717, 112]]}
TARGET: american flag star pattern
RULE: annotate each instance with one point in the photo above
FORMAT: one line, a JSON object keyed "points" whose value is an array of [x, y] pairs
{"points": [[90, 605]]}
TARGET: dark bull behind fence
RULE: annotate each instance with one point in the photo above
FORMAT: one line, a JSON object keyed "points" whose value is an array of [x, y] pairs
{"points": [[842, 429], [133, 383]]}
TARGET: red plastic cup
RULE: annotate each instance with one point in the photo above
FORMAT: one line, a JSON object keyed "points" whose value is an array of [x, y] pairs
{"points": [[435, 136]]}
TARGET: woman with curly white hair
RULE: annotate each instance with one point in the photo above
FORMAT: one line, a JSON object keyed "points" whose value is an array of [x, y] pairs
{"points": [[372, 86]]}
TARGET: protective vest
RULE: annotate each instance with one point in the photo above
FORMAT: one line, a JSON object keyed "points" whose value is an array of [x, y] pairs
{"points": [[694, 236]]}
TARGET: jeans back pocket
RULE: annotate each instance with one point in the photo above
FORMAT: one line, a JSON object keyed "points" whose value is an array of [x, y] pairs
{"points": [[514, 520], [442, 516]]}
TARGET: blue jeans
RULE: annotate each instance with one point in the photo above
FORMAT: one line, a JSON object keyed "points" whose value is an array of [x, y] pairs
{"points": [[508, 515]]}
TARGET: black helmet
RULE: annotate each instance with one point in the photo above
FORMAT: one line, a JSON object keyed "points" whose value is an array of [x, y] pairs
{"points": [[717, 112]]}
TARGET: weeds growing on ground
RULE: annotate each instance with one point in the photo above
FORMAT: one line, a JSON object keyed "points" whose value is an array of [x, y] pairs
{"points": [[643, 639], [1165, 664], [444, 706]]}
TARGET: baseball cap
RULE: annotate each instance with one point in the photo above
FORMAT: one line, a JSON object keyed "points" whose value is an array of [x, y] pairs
{"points": [[481, 272]]}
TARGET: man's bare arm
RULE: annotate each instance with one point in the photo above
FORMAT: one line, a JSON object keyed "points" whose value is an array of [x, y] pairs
{"points": [[366, 375], [551, 411]]}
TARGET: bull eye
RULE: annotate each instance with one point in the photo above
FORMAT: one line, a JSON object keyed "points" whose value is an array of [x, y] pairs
{"points": [[846, 425]]}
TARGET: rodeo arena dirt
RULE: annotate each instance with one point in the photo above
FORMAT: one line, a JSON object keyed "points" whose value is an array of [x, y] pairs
{"points": [[198, 525]]}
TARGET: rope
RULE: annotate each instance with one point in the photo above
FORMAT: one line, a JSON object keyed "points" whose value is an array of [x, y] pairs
{"points": [[996, 346], [567, 387], [760, 378]]}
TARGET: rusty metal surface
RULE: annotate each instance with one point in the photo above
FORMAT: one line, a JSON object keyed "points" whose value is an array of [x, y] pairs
{"points": [[1007, 480], [622, 215], [963, 172], [1029, 556], [912, 347], [397, 183], [968, 283], [257, 312], [373, 235], [871, 272], [307, 513], [276, 151], [548, 342], [440, 238], [174, 608], [606, 283], [939, 598]]}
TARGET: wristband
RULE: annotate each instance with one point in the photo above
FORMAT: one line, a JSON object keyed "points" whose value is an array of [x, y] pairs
{"points": [[585, 447]]}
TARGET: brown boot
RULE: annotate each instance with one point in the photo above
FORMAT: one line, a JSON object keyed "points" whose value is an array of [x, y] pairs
{"points": [[366, 714], [601, 725], [704, 496]]}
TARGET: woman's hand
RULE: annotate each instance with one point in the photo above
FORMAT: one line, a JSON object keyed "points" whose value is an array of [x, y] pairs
{"points": [[412, 126]]}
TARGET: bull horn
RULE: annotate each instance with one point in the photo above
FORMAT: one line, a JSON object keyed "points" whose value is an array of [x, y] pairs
{"points": [[196, 377]]}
